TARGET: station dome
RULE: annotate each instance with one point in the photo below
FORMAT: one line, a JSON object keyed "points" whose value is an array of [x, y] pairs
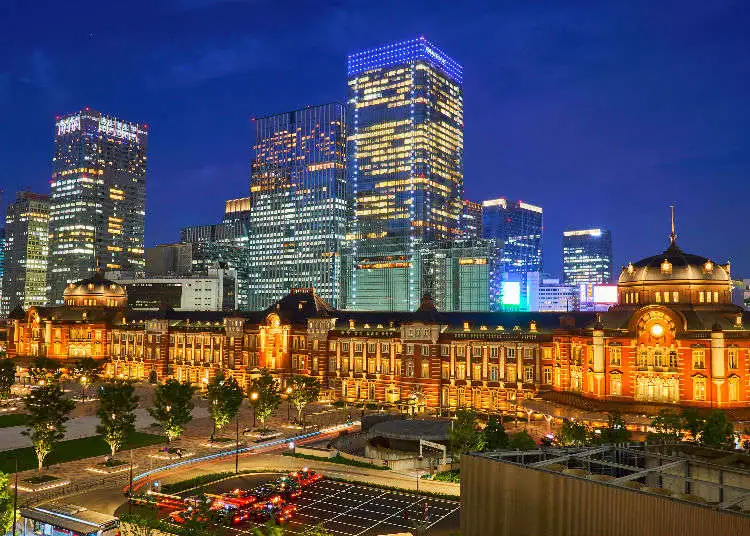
{"points": [[96, 291]]}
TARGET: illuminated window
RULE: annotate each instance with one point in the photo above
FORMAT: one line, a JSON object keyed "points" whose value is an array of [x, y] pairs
{"points": [[673, 359], [615, 355], [528, 374], [547, 375], [675, 297], [734, 389], [658, 297], [732, 357], [445, 370], [699, 358], [699, 388], [425, 369], [701, 297], [615, 384], [493, 372]]}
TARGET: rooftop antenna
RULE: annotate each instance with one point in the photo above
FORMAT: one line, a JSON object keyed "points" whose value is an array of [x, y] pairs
{"points": [[672, 235]]}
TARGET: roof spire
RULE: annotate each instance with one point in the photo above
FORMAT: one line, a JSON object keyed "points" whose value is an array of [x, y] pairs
{"points": [[672, 235]]}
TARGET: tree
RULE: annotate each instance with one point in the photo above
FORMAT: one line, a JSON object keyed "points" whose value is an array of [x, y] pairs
{"points": [[48, 411], [117, 403], [6, 504], [494, 435], [615, 431], [304, 389], [224, 400], [573, 433], [7, 377], [316, 530], [268, 397], [667, 427], [270, 529], [522, 441], [692, 422], [87, 371], [464, 435], [173, 402], [717, 431]]}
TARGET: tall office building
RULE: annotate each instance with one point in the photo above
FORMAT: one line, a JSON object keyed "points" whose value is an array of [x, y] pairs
{"points": [[221, 245], [298, 204], [471, 219], [98, 198], [517, 229], [26, 250], [2, 266], [587, 256], [405, 166]]}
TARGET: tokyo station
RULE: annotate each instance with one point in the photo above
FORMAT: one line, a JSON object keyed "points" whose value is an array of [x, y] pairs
{"points": [[674, 338]]}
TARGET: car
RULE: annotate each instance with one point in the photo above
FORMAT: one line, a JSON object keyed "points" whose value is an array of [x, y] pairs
{"points": [[263, 513], [189, 514], [267, 492], [239, 498], [305, 477]]}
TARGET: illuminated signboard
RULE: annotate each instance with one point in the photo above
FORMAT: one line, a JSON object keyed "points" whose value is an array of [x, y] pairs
{"points": [[511, 293], [119, 129], [68, 125], [605, 293]]}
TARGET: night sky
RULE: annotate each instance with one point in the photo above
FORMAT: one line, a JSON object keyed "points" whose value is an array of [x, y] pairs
{"points": [[602, 113]]}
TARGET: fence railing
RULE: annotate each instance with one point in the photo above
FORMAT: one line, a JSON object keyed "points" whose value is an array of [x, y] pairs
{"points": [[36, 497]]}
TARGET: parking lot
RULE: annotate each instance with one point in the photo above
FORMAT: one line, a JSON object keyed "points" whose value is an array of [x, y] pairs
{"points": [[357, 510]]}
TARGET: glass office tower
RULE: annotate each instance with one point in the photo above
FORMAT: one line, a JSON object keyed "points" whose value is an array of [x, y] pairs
{"points": [[24, 282], [405, 166], [298, 204], [517, 229], [587, 256], [98, 198]]}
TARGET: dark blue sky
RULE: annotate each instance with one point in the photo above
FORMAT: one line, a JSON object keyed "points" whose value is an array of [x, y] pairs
{"points": [[604, 113]]}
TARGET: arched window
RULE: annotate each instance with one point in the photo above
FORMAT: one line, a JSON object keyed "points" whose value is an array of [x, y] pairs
{"points": [[734, 389]]}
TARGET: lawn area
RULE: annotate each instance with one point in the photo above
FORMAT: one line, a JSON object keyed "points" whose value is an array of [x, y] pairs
{"points": [[67, 451], [338, 459], [13, 419]]}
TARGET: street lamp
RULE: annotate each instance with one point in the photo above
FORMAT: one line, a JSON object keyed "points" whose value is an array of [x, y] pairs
{"points": [[84, 380], [288, 404], [254, 400]]}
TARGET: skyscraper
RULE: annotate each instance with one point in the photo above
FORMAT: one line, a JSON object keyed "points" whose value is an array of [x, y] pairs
{"points": [[587, 256], [98, 198], [471, 219], [405, 166], [517, 229], [26, 250], [2, 266], [298, 204]]}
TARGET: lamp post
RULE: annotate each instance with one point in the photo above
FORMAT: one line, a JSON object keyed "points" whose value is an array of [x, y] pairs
{"points": [[254, 401], [168, 409], [288, 405], [237, 443], [84, 380]]}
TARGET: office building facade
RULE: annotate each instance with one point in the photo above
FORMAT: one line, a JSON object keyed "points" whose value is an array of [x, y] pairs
{"points": [[24, 282], [405, 166], [169, 259], [298, 204], [98, 197], [548, 294], [517, 229], [471, 219], [587, 256]]}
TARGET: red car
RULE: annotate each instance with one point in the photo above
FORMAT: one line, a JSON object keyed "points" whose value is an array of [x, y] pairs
{"points": [[279, 513], [306, 477], [238, 498]]}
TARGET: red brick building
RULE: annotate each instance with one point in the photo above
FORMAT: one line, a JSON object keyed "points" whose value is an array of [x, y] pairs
{"points": [[675, 338]]}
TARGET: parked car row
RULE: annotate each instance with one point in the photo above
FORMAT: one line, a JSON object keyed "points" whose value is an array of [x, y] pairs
{"points": [[269, 501]]}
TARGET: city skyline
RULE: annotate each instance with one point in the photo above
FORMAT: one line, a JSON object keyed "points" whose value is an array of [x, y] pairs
{"points": [[671, 167]]}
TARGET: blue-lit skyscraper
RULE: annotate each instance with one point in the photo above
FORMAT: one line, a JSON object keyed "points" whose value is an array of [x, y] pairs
{"points": [[517, 229], [587, 256], [298, 204], [405, 167]]}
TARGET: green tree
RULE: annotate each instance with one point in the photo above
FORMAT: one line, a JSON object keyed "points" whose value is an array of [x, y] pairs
{"points": [[270, 529], [574, 434], [615, 431], [224, 400], [48, 411], [667, 427], [7, 377], [522, 441], [263, 393], [494, 435], [117, 403], [692, 421], [464, 435], [6, 504], [316, 530], [717, 431], [304, 389], [173, 403]]}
